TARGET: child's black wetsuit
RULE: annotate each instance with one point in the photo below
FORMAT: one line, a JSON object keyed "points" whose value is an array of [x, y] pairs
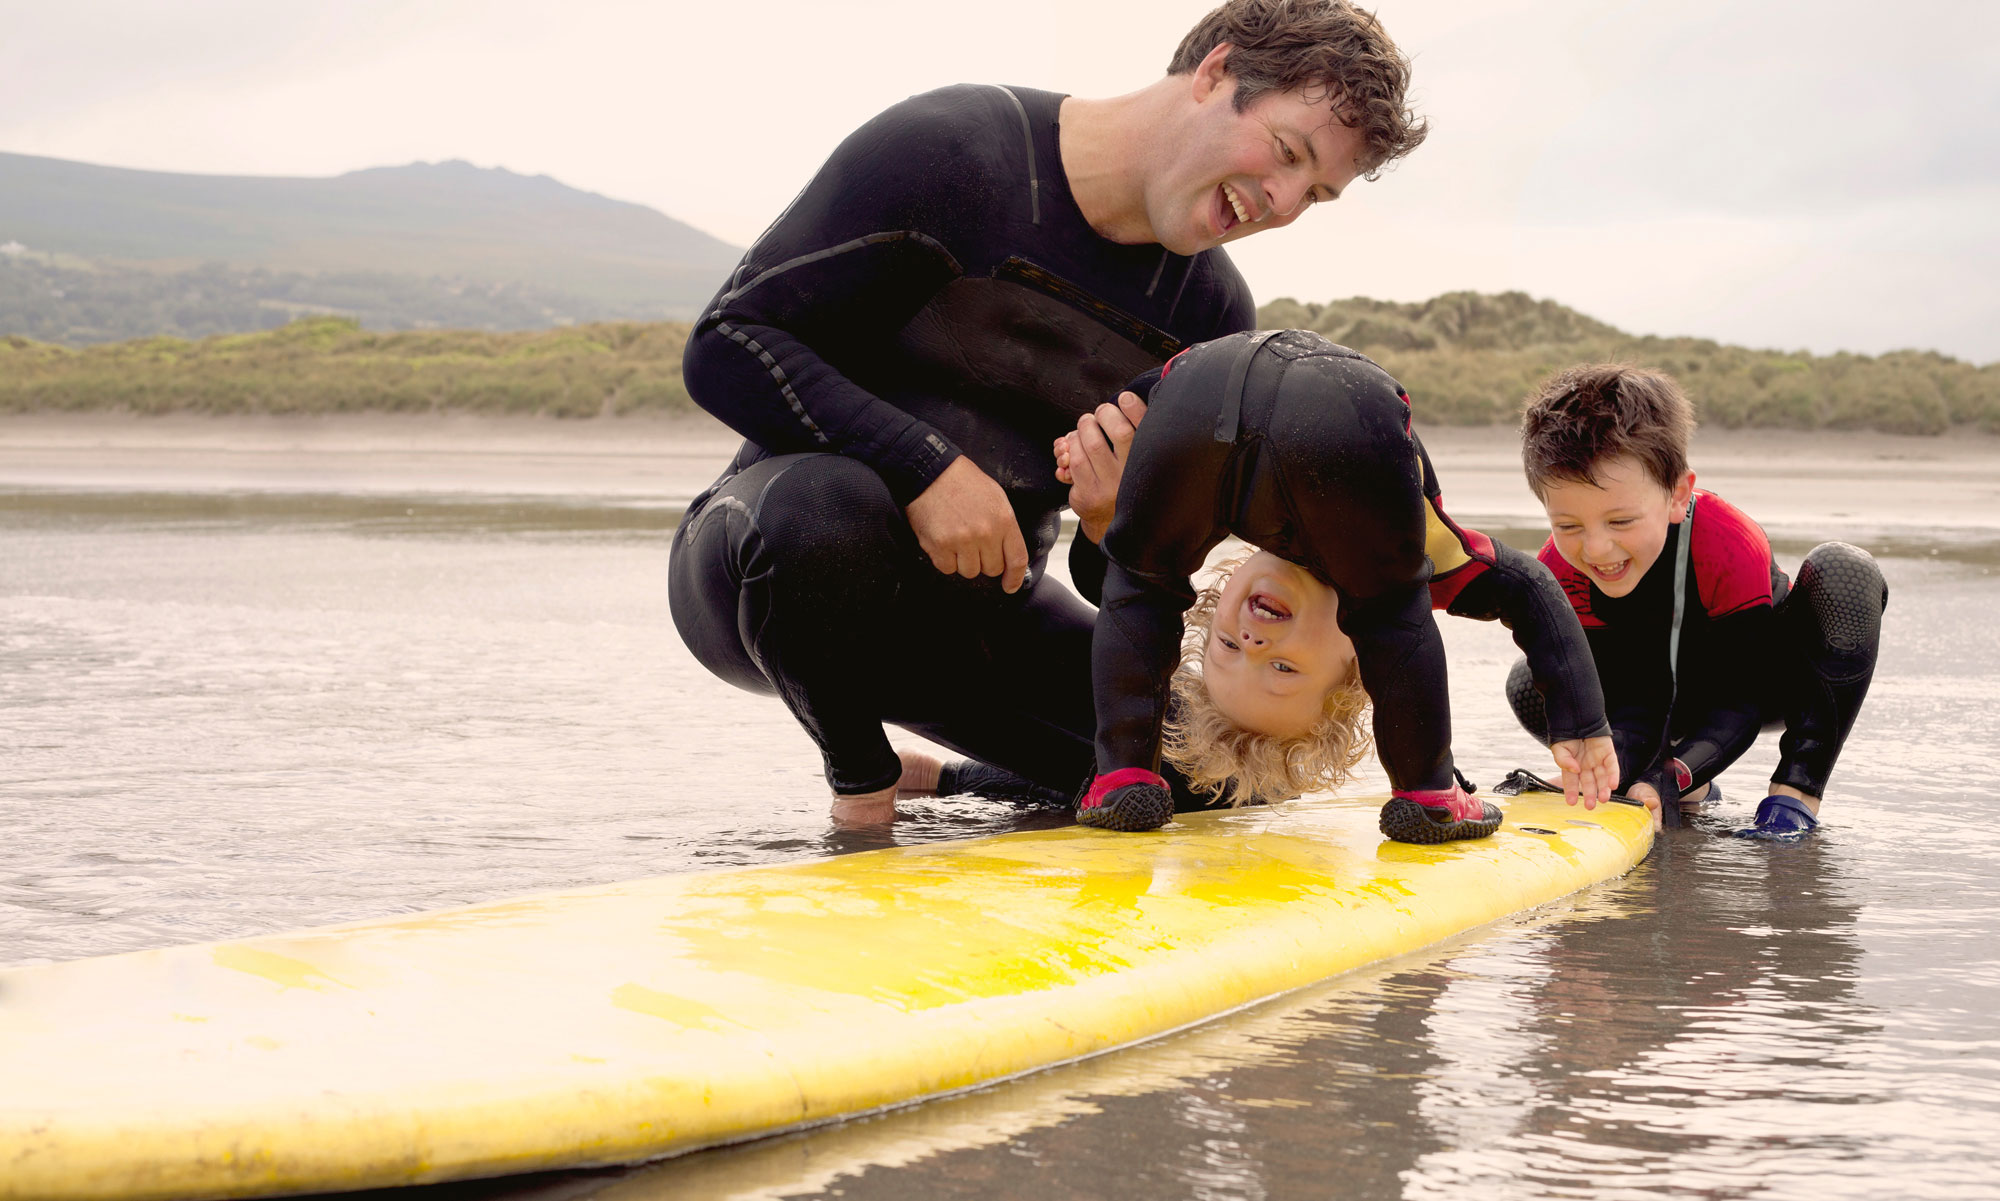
{"points": [[934, 291], [1304, 449], [1754, 649]]}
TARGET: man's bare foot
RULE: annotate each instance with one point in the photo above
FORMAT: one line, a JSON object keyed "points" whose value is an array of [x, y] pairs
{"points": [[920, 773], [865, 808], [920, 778]]}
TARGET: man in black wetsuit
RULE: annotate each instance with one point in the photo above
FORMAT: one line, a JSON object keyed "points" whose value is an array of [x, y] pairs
{"points": [[965, 276]]}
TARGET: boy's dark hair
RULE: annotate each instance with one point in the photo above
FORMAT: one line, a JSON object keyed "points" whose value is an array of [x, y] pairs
{"points": [[1310, 46], [1580, 417]]}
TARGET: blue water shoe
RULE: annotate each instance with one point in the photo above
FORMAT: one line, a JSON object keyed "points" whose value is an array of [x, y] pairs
{"points": [[1781, 819]]}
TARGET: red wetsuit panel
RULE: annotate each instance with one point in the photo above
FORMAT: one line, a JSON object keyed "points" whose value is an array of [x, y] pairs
{"points": [[1730, 558]]}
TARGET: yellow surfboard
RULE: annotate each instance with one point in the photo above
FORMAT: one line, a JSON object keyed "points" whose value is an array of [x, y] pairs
{"points": [[625, 1022]]}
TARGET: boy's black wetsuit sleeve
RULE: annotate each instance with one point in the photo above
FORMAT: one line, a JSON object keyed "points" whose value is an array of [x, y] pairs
{"points": [[1086, 558], [1474, 576], [881, 316], [1162, 533]]}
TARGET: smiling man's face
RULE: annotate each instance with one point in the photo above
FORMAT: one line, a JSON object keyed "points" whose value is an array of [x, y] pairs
{"points": [[1232, 174]]}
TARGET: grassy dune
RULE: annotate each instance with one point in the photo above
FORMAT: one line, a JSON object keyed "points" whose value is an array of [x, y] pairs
{"points": [[332, 365], [1467, 359]]}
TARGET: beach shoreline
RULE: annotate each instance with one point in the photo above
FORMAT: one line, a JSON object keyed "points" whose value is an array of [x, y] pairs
{"points": [[1783, 478]]}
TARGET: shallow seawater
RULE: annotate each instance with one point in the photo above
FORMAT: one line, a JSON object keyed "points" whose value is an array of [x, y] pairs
{"points": [[231, 714]]}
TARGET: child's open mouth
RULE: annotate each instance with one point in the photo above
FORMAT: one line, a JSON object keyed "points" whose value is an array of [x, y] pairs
{"points": [[1264, 607]]}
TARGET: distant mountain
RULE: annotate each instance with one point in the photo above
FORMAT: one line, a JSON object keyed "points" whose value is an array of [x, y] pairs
{"points": [[89, 253]]}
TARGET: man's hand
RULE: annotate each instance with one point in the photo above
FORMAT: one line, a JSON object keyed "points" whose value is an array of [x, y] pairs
{"points": [[1091, 460], [1644, 794], [966, 526], [1589, 769]]}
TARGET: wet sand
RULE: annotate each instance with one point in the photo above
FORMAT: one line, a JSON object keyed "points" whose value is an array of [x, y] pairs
{"points": [[1787, 480]]}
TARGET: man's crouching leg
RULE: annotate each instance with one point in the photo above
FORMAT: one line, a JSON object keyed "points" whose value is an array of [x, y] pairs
{"points": [[788, 579]]}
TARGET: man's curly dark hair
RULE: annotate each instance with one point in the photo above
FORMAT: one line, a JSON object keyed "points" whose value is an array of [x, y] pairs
{"points": [[1316, 47]]}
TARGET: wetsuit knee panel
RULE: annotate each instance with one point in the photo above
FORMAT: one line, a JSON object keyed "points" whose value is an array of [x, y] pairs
{"points": [[1843, 585], [1529, 708]]}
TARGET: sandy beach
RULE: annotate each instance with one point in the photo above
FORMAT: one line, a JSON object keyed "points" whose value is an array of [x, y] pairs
{"points": [[1788, 480]]}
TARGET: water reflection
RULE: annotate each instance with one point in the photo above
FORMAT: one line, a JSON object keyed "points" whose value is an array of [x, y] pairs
{"points": [[1684, 1030], [1544, 1059]]}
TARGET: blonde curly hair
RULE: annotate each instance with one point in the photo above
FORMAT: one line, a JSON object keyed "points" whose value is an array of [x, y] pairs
{"points": [[1219, 756]]}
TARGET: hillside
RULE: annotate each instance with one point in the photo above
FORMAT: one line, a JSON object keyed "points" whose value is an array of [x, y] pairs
{"points": [[331, 365], [88, 247], [1470, 358], [1467, 359]]}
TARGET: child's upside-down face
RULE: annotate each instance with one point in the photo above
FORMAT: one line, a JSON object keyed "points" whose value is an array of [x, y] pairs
{"points": [[1614, 530], [1275, 649]]}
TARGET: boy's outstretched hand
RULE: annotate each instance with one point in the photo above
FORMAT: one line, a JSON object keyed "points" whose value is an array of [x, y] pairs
{"points": [[1589, 769]]}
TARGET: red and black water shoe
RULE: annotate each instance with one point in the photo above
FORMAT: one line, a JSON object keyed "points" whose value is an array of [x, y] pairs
{"points": [[1130, 798], [1438, 815]]}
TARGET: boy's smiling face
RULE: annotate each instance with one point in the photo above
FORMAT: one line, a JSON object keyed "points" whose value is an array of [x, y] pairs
{"points": [[1614, 530]]}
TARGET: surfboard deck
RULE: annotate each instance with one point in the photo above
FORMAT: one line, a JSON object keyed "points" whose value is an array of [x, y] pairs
{"points": [[626, 1022]]}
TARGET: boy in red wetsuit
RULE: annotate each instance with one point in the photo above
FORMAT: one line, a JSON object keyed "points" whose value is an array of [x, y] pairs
{"points": [[1700, 640]]}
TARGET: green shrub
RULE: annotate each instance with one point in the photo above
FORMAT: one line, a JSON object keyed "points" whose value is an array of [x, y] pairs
{"points": [[332, 365], [1467, 359], [1472, 359]]}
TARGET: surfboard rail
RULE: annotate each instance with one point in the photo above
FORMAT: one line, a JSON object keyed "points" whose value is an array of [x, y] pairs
{"points": [[631, 1021]]}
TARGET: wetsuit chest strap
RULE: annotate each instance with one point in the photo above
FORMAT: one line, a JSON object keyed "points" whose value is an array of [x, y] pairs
{"points": [[1681, 555], [1230, 419]]}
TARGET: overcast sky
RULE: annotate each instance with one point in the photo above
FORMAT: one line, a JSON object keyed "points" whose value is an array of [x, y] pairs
{"points": [[1823, 175]]}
